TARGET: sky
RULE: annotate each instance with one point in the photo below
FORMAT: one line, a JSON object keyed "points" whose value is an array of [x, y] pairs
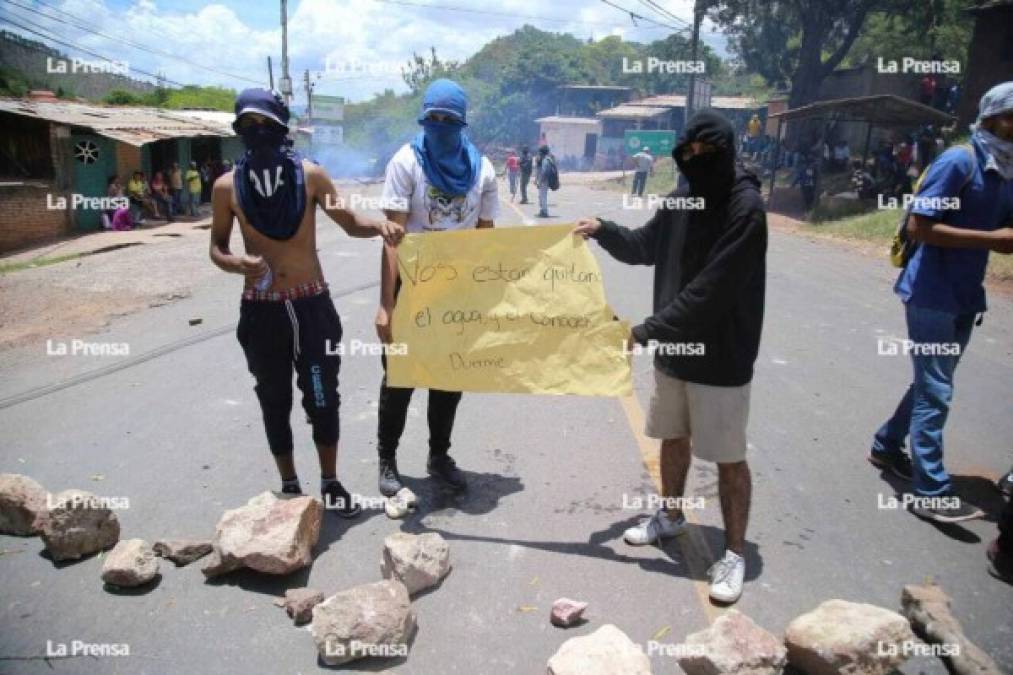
{"points": [[352, 48]]}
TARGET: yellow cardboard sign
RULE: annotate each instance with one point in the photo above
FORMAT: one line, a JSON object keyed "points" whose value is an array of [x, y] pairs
{"points": [[506, 310]]}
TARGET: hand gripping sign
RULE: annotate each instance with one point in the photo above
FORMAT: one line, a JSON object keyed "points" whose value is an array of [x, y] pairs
{"points": [[513, 310]]}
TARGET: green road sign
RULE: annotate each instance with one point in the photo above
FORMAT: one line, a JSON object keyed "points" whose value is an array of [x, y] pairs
{"points": [[659, 142]]}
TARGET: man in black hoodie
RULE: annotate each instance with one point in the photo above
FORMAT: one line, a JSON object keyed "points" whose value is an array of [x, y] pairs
{"points": [[709, 282]]}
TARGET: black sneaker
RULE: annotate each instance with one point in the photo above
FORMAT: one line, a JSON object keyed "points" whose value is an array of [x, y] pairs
{"points": [[944, 508], [1000, 566], [1005, 484], [291, 489], [445, 468], [388, 479], [337, 499], [897, 463]]}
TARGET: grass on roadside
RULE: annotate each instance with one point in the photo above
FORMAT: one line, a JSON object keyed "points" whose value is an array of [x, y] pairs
{"points": [[877, 227], [7, 268]]}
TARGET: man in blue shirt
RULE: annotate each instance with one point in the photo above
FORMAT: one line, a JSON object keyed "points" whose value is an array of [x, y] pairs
{"points": [[961, 212]]}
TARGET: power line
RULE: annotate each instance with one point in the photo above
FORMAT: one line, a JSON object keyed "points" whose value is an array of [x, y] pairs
{"points": [[634, 16], [456, 8], [81, 24], [83, 49], [664, 12]]}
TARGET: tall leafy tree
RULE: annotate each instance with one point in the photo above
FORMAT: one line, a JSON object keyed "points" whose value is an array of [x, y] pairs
{"points": [[794, 43]]}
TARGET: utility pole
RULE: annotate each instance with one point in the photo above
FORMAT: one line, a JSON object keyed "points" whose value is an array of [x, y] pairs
{"points": [[286, 81], [309, 95], [694, 48], [270, 73]]}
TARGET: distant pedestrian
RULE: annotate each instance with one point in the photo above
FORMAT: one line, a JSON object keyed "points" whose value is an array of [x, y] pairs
{"points": [[160, 194], [643, 162], [942, 291], [194, 187], [547, 174], [176, 186], [526, 166], [513, 169]]}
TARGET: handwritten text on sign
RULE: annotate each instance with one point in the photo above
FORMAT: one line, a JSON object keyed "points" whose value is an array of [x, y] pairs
{"points": [[506, 310]]}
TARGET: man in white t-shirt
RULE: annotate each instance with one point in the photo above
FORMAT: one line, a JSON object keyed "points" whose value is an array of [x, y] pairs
{"points": [[643, 162], [439, 181]]}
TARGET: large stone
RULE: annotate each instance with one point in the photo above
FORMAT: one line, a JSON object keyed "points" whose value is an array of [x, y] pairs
{"points": [[22, 505], [607, 651], [419, 561], [927, 607], [77, 524], [270, 534], [732, 644], [848, 638], [182, 551], [299, 603], [369, 620], [566, 612], [131, 563]]}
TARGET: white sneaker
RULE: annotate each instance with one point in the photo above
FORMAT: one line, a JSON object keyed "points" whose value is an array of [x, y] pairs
{"points": [[658, 526], [726, 576]]}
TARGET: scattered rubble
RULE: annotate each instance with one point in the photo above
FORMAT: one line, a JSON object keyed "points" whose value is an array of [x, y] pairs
{"points": [[270, 534], [419, 561], [78, 524], [566, 612], [733, 644], [22, 505], [927, 607], [299, 603], [131, 563], [848, 638], [369, 620], [401, 504], [182, 551], [607, 651]]}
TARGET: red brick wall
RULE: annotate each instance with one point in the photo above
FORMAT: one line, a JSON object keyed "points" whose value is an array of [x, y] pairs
{"points": [[128, 160], [24, 218]]}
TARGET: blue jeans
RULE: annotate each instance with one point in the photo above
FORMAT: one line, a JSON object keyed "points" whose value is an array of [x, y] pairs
{"points": [[543, 197], [922, 411], [639, 182]]}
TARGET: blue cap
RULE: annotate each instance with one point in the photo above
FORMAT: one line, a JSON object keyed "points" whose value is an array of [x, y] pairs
{"points": [[447, 97], [270, 104]]}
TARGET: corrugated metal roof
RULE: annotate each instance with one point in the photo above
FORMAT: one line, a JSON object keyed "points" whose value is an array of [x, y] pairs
{"points": [[663, 100], [569, 120], [628, 111], [132, 125], [734, 102], [882, 109]]}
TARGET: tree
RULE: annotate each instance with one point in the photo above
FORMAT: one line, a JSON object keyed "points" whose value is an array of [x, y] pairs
{"points": [[794, 43], [420, 71]]}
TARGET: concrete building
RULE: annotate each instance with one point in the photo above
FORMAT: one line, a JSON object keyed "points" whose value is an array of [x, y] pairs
{"points": [[55, 149], [574, 140]]}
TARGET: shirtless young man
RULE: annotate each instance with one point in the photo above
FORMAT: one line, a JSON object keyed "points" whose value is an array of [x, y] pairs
{"points": [[287, 318]]}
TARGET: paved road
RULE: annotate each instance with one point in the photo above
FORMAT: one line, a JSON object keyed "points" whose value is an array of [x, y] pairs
{"points": [[175, 427]]}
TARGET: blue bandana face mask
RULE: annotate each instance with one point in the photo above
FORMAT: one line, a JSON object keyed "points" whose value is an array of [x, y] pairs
{"points": [[442, 138]]}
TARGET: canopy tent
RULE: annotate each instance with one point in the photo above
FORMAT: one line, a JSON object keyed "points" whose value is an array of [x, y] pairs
{"points": [[882, 110]]}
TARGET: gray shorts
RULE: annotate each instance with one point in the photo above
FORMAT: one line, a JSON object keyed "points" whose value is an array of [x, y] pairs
{"points": [[715, 418]]}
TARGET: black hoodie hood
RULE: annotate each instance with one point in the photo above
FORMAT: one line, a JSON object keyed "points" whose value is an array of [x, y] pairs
{"points": [[710, 175]]}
